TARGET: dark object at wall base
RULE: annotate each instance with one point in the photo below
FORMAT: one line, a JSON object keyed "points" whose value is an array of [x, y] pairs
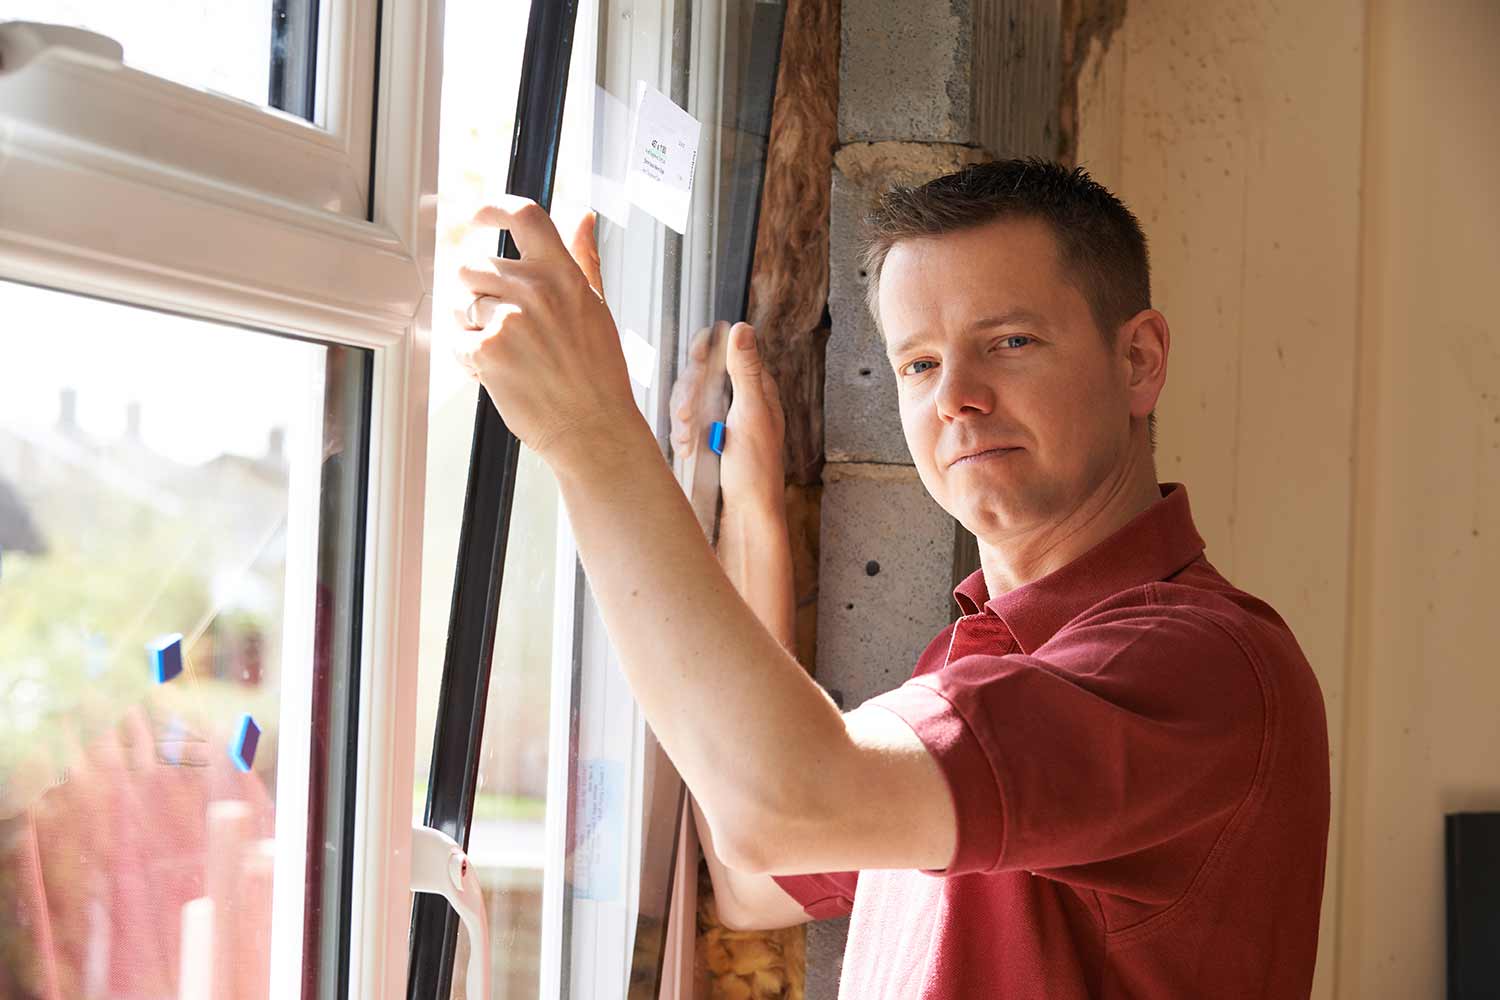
{"points": [[1472, 847]]}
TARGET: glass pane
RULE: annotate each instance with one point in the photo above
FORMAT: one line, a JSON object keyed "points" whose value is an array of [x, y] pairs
{"points": [[261, 51], [179, 502], [483, 44], [668, 288]]}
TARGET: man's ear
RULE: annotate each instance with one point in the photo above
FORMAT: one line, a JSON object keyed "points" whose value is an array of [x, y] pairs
{"points": [[1144, 342]]}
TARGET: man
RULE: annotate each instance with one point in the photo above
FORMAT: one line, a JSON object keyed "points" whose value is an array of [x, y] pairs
{"points": [[1109, 777]]}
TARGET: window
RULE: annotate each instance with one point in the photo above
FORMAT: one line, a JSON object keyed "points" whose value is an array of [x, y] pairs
{"points": [[214, 323], [227, 446], [176, 589]]}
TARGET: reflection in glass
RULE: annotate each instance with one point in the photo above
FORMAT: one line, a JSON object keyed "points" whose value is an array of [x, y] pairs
{"points": [[165, 477]]}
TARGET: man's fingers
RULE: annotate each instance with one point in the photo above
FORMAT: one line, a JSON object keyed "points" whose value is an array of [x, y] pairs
{"points": [[501, 279], [482, 313], [530, 226], [584, 248], [684, 402], [698, 346]]}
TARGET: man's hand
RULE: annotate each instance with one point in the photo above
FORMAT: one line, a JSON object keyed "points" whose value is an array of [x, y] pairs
{"points": [[751, 474], [543, 343]]}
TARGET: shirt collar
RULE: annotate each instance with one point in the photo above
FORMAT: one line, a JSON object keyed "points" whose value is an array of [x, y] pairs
{"points": [[1154, 545]]}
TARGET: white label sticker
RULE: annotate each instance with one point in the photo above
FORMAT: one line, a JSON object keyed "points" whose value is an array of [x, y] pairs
{"points": [[598, 848], [663, 157], [640, 358]]}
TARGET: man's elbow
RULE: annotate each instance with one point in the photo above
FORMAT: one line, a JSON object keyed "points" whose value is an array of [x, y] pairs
{"points": [[746, 851], [733, 918], [767, 827], [763, 907], [772, 848], [772, 830]]}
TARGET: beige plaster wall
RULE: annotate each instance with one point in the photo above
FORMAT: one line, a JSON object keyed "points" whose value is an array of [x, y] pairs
{"points": [[1233, 131], [1318, 183], [1423, 723]]}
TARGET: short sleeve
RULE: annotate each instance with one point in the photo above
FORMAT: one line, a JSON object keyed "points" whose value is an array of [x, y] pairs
{"points": [[822, 896], [1133, 734]]}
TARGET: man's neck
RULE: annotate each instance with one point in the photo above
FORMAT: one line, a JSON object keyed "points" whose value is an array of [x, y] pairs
{"points": [[1019, 559]]}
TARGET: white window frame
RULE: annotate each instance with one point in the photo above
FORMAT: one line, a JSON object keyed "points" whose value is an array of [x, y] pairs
{"points": [[323, 165], [117, 184]]}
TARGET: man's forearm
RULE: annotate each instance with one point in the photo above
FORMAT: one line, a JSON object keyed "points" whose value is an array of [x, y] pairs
{"points": [[757, 556], [721, 692]]}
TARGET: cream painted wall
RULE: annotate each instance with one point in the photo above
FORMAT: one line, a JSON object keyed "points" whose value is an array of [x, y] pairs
{"points": [[1423, 728], [1233, 131], [1323, 222]]}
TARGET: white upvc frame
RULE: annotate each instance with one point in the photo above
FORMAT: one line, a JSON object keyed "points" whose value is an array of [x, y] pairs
{"points": [[198, 222], [133, 113]]}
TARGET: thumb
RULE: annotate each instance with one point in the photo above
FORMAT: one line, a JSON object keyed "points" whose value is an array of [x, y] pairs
{"points": [[744, 362], [746, 368], [585, 250]]}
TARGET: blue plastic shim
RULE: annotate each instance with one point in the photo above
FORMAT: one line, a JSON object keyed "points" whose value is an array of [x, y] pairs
{"points": [[166, 657], [242, 748], [716, 437]]}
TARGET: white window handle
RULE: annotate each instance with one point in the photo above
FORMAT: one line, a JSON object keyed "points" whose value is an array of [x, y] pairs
{"points": [[440, 866]]}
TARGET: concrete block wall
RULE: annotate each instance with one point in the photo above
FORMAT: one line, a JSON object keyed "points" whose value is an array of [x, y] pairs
{"points": [[925, 87], [886, 578]]}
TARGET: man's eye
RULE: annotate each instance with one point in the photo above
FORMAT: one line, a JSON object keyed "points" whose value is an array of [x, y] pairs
{"points": [[913, 367], [1011, 341]]}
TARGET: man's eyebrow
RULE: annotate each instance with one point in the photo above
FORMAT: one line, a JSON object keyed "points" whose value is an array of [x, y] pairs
{"points": [[904, 344], [1023, 317]]}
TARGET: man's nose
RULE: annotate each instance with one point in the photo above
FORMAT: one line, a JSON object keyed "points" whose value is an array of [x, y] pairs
{"points": [[964, 391]]}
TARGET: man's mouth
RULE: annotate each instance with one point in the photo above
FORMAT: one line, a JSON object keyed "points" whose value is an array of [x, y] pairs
{"points": [[988, 455]]}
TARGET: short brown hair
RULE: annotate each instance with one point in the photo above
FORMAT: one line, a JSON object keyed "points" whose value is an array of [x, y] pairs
{"points": [[1101, 246]]}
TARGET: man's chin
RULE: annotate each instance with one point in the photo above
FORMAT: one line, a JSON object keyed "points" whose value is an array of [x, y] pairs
{"points": [[999, 517]]}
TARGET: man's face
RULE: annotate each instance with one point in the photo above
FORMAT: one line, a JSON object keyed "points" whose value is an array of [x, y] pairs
{"points": [[1015, 409]]}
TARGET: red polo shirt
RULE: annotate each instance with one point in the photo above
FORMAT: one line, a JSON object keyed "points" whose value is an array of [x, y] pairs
{"points": [[1138, 757]]}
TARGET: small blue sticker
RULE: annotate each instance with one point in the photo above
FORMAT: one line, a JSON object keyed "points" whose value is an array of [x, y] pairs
{"points": [[716, 437], [242, 749], [165, 653]]}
